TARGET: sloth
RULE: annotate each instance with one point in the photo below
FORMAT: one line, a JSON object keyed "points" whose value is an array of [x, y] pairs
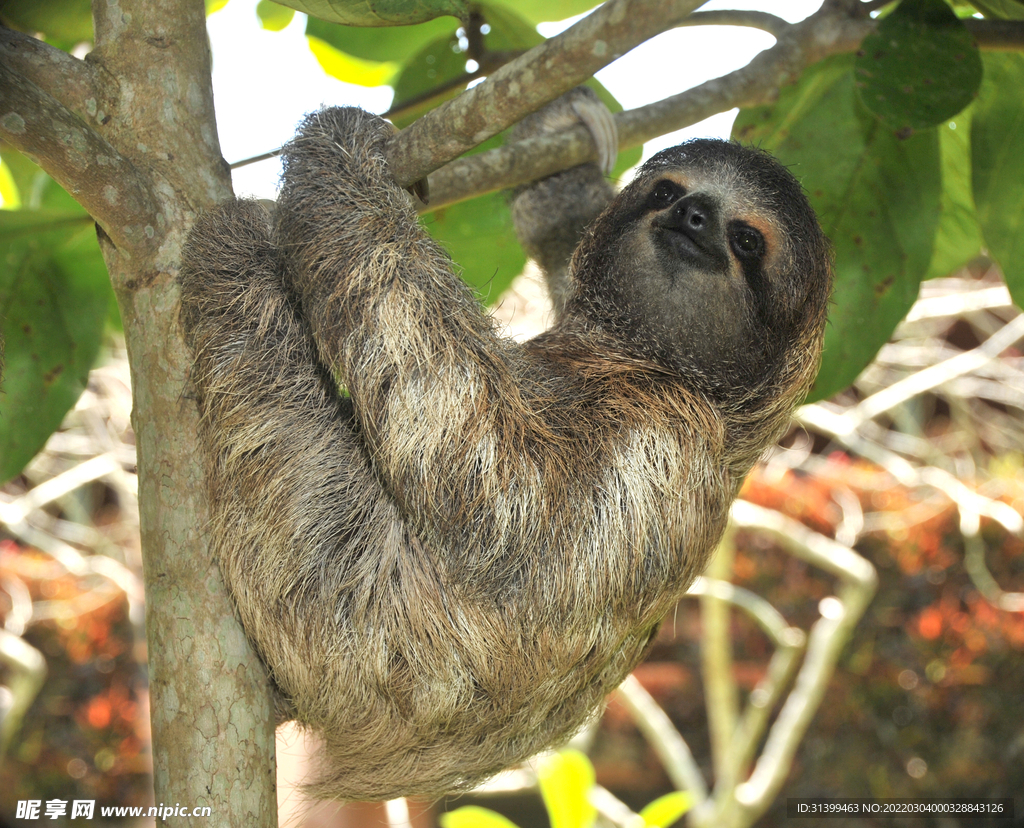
{"points": [[448, 547]]}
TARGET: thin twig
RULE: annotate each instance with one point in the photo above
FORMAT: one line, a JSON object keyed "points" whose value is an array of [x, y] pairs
{"points": [[936, 375], [773, 24], [662, 735]]}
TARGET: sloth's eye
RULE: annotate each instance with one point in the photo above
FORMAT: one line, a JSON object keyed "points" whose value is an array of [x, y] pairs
{"points": [[665, 193], [746, 242]]}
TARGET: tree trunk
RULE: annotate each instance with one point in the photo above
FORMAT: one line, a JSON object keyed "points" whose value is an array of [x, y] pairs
{"points": [[130, 132], [213, 724]]}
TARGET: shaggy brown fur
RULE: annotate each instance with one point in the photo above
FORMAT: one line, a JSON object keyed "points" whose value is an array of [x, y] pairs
{"points": [[447, 566]]}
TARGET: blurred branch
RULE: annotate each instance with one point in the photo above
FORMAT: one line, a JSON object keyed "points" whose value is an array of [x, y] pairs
{"points": [[997, 35], [26, 670], [788, 641], [735, 737], [614, 809], [828, 636], [935, 375], [15, 514], [847, 427], [769, 619], [981, 577], [659, 731], [721, 696], [18, 509]]}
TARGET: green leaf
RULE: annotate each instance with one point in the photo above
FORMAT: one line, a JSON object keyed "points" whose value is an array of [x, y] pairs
{"points": [[393, 43], [997, 153], [9, 193], [63, 23], [877, 198], [379, 12], [478, 234], [565, 781], [667, 809], [920, 67], [351, 69], [1000, 9], [958, 238], [473, 816], [541, 11], [273, 16], [55, 298]]}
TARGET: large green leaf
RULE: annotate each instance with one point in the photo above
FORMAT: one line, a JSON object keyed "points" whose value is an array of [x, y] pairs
{"points": [[877, 198], [54, 301], [63, 23], [378, 12], [920, 67], [958, 238], [997, 152], [478, 235]]}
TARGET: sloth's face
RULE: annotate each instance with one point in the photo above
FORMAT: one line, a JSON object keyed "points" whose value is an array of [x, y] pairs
{"points": [[707, 262]]}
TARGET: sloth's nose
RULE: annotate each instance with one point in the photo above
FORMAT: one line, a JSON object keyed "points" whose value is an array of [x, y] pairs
{"points": [[694, 214]]}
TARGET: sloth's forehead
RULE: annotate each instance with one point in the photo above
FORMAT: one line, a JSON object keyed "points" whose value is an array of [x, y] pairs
{"points": [[728, 186], [730, 169]]}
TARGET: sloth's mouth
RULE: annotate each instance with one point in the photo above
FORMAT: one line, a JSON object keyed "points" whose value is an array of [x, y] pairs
{"points": [[698, 252]]}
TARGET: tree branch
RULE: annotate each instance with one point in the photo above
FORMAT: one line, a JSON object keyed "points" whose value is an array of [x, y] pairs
{"points": [[830, 31], [513, 92], [68, 79], [211, 708], [826, 32], [764, 21], [997, 35], [79, 159]]}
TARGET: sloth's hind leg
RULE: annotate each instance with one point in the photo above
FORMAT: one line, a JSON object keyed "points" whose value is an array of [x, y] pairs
{"points": [[290, 491]]}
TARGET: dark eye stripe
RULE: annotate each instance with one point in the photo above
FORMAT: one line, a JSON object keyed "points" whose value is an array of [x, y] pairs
{"points": [[665, 192], [746, 242]]}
